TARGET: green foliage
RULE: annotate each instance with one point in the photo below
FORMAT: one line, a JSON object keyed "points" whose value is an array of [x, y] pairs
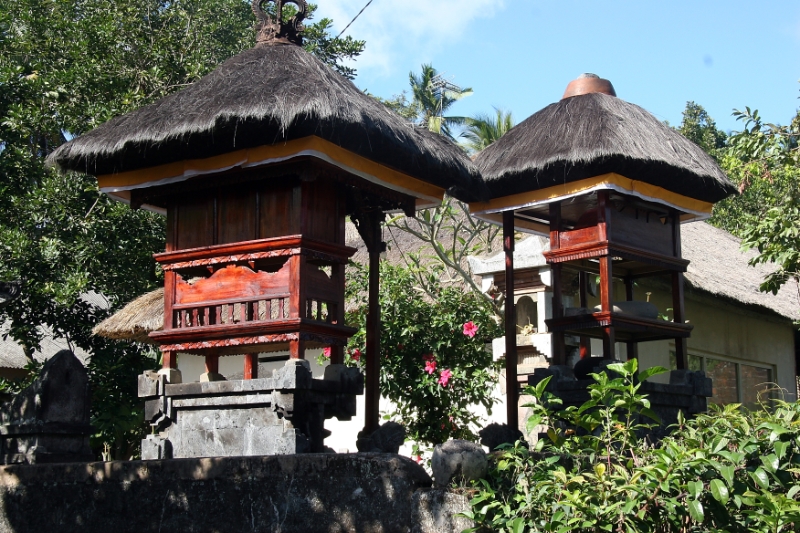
{"points": [[700, 128], [731, 470], [764, 159], [65, 67], [419, 332], [484, 129], [431, 99]]}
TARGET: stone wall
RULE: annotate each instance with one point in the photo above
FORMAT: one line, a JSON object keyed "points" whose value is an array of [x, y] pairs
{"points": [[364, 493]]}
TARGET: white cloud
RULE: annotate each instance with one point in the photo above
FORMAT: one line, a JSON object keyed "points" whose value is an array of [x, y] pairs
{"points": [[400, 33]]}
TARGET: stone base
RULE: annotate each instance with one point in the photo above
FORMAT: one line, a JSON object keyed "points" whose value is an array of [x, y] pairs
{"points": [[364, 493]]}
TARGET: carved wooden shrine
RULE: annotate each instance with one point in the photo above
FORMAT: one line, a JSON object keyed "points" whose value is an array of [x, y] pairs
{"points": [[256, 166], [610, 184], [614, 235]]}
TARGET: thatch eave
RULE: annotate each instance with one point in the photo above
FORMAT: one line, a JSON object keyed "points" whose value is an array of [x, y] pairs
{"points": [[595, 134], [268, 95]]}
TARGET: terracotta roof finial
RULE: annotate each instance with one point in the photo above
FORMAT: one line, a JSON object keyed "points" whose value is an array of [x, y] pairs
{"points": [[588, 83], [273, 29]]}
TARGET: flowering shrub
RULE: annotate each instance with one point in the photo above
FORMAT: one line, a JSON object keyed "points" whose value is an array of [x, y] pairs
{"points": [[434, 362]]}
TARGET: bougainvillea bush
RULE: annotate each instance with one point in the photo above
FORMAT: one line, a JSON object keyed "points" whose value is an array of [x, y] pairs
{"points": [[731, 470], [434, 361]]}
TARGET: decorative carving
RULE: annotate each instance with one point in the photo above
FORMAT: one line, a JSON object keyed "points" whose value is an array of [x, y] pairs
{"points": [[273, 29], [227, 343]]}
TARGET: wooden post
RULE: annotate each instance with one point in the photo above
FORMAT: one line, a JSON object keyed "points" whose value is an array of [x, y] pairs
{"points": [[251, 366], [212, 363], [633, 347], [297, 350], [681, 355], [559, 350], [372, 389], [583, 282], [606, 273], [337, 355], [512, 387], [169, 359]]}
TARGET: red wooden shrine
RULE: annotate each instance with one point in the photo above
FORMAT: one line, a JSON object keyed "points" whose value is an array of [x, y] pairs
{"points": [[618, 237]]}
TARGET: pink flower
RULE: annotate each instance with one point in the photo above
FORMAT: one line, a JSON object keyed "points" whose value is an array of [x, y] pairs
{"points": [[444, 377], [470, 329], [327, 352], [430, 366], [356, 355]]}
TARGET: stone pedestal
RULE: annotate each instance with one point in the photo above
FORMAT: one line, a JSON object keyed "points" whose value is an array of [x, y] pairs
{"points": [[282, 414]]}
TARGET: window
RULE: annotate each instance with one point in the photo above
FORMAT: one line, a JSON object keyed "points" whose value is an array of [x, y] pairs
{"points": [[731, 381]]}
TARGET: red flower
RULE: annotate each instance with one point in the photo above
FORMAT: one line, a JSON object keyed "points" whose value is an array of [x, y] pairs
{"points": [[430, 366], [444, 377], [418, 459], [356, 355], [327, 352], [429, 357], [470, 329]]}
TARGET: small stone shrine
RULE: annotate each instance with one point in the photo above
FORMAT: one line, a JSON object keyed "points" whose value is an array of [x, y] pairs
{"points": [[256, 166], [610, 184], [48, 422]]}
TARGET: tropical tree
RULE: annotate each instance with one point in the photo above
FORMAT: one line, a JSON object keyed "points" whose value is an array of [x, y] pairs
{"points": [[65, 67], [483, 129], [432, 97]]}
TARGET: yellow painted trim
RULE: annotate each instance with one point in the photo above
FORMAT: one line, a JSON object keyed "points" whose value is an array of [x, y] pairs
{"points": [[610, 180], [307, 146]]}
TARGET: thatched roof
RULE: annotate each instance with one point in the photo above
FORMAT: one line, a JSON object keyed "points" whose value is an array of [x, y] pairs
{"points": [[719, 267], [594, 134], [136, 320], [267, 95]]}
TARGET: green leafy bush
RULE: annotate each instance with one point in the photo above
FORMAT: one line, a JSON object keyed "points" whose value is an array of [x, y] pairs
{"points": [[434, 362], [730, 470]]}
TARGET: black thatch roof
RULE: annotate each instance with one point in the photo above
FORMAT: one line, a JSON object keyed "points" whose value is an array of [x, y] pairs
{"points": [[594, 134], [266, 95]]}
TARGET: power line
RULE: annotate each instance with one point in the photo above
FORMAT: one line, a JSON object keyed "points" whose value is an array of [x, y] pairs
{"points": [[354, 19]]}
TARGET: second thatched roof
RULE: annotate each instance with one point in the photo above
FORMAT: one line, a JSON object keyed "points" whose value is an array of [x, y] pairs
{"points": [[136, 320], [594, 134], [263, 96]]}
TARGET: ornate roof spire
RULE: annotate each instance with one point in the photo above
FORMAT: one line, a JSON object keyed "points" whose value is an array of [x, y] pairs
{"points": [[273, 29]]}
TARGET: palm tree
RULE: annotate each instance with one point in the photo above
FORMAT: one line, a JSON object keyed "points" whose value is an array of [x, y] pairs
{"points": [[432, 96], [484, 129]]}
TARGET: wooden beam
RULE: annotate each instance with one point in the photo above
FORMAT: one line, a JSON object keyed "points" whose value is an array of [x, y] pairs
{"points": [[512, 387], [632, 347], [585, 342]]}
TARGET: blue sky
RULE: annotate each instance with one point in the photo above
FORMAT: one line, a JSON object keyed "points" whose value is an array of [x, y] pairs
{"points": [[520, 54]]}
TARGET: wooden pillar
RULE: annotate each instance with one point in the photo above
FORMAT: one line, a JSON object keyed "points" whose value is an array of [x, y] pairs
{"points": [[633, 347], [512, 387], [337, 355], [681, 355], [606, 294], [297, 349], [372, 381], [606, 273], [559, 350], [585, 342], [212, 363], [251, 366], [169, 359]]}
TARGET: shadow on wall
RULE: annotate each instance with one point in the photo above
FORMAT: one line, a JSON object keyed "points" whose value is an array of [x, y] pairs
{"points": [[310, 492]]}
